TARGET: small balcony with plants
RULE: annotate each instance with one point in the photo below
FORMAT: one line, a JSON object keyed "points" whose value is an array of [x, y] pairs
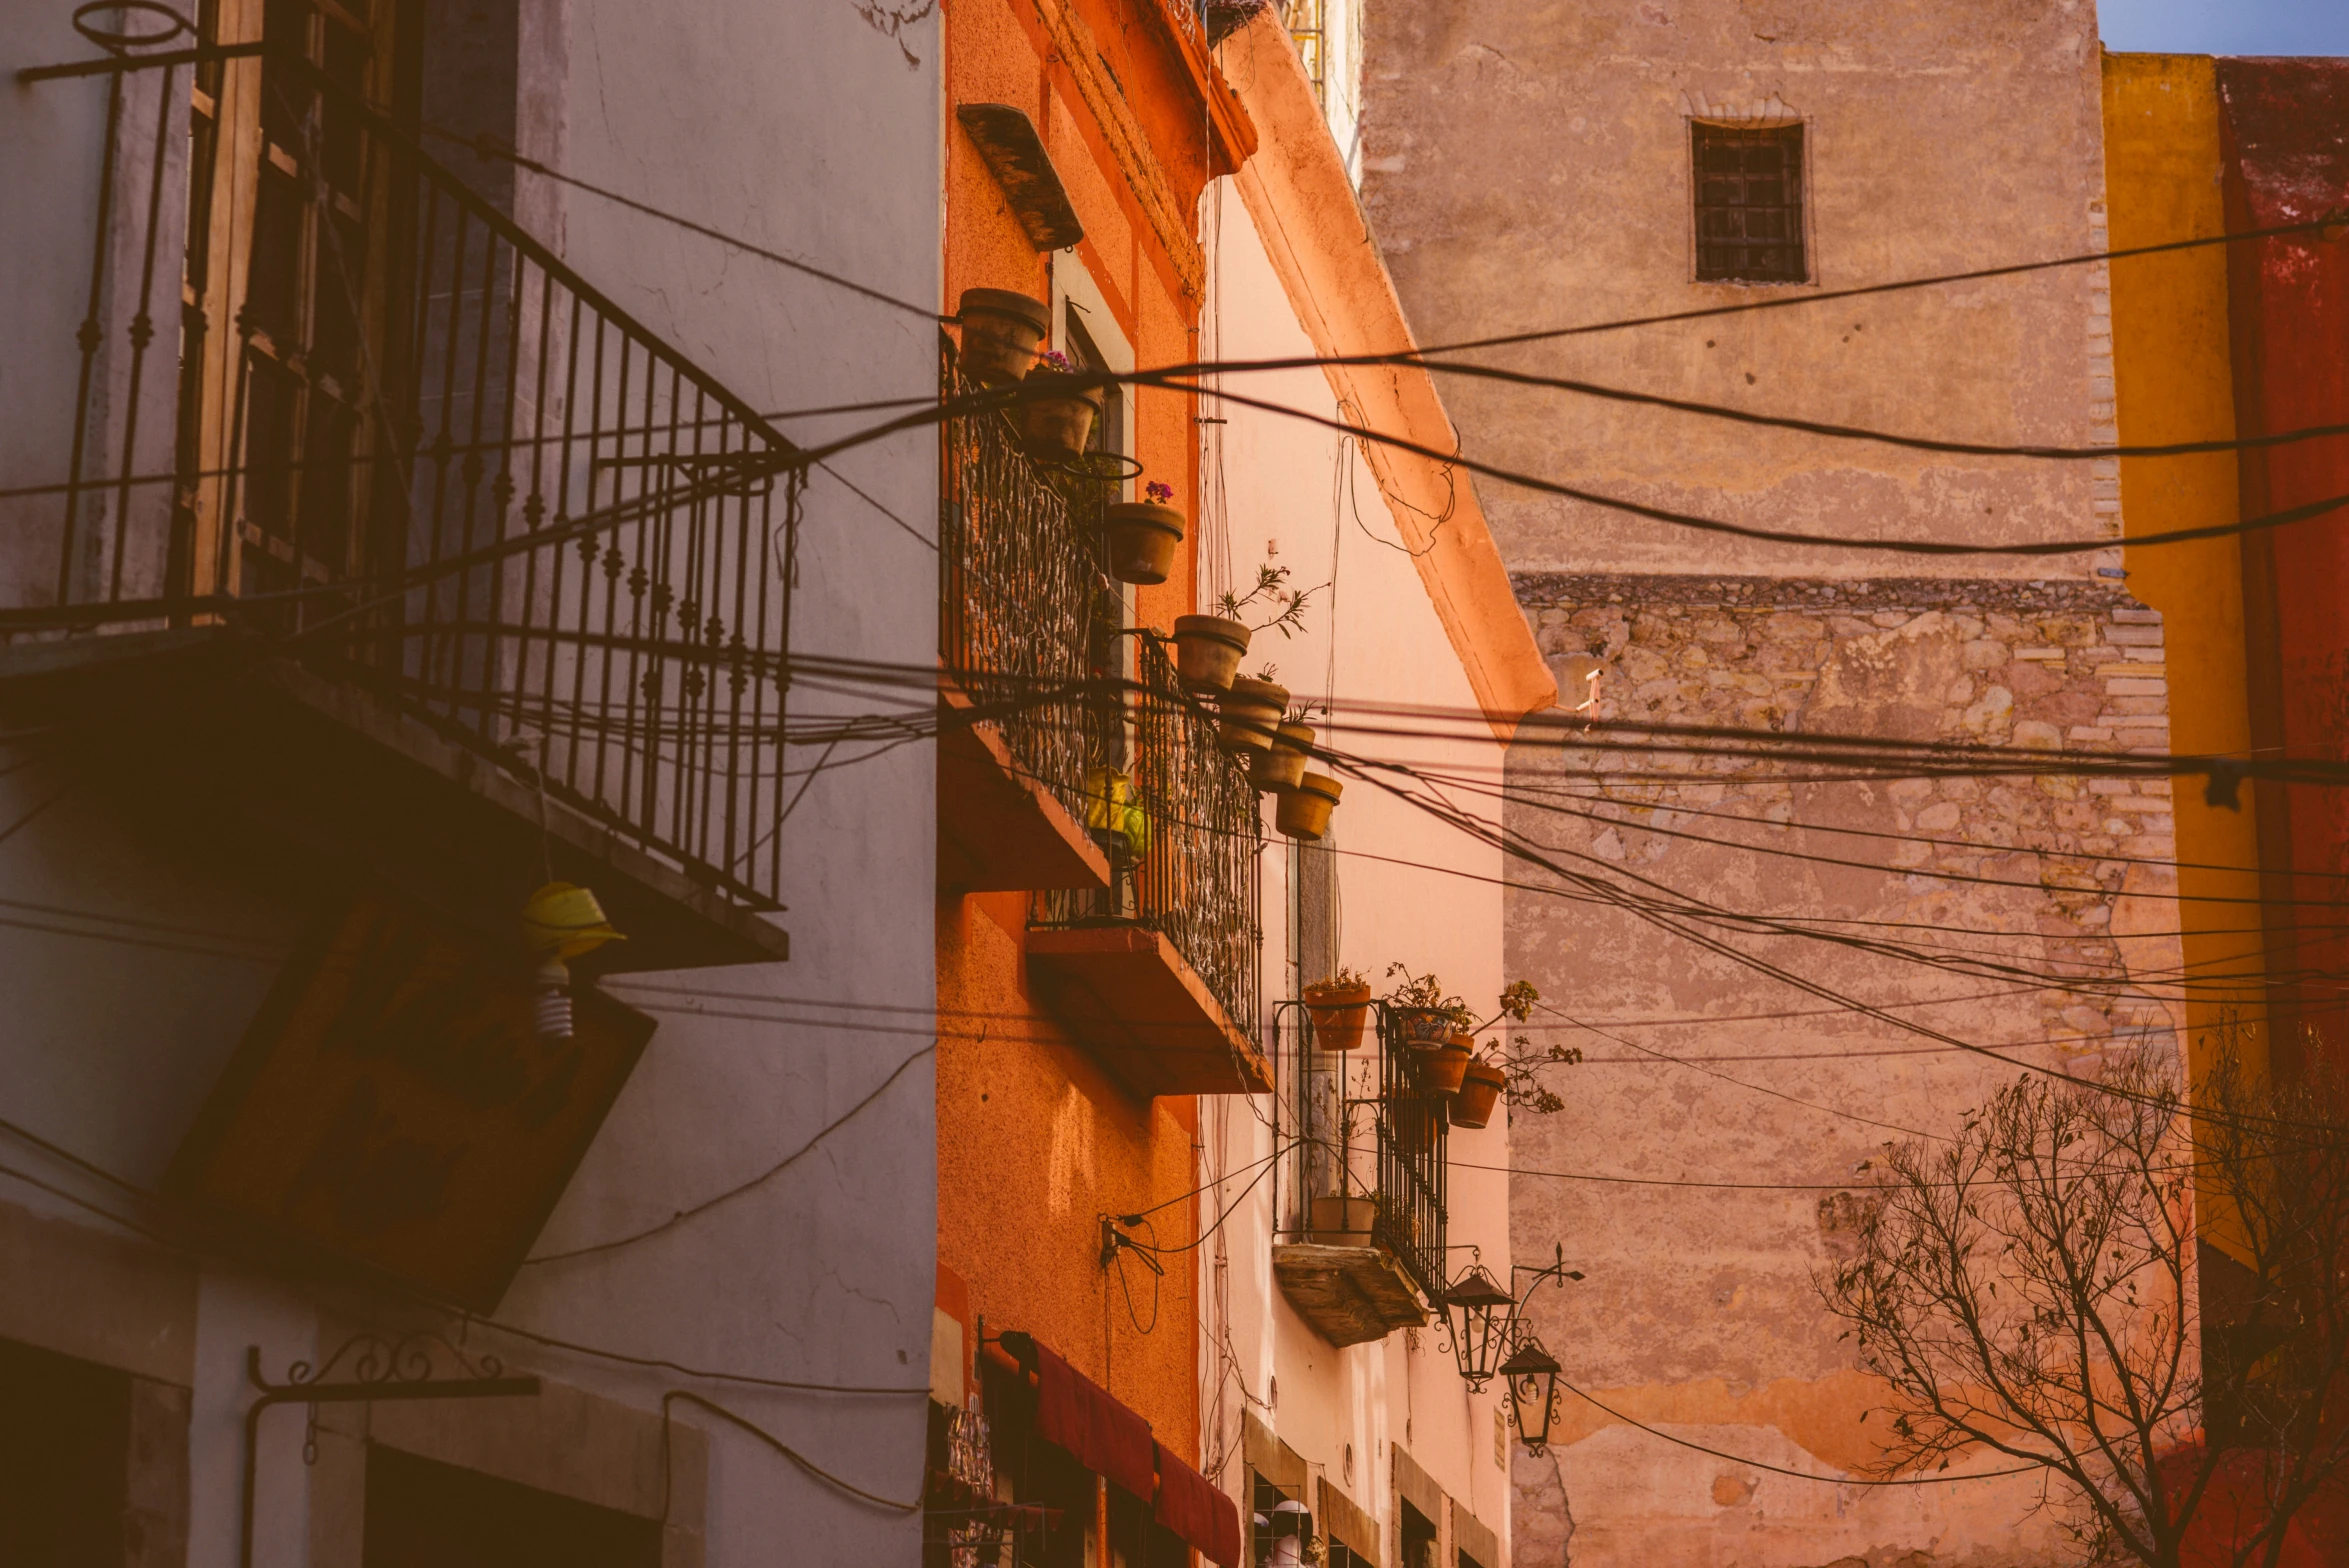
{"points": [[1104, 768], [1371, 1087]]}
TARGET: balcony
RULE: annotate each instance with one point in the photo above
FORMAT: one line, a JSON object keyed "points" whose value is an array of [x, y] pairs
{"points": [[1019, 603], [389, 539], [1147, 949], [1158, 971], [1360, 1239]]}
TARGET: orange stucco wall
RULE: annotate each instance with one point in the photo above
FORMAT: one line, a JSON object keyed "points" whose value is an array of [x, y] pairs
{"points": [[1035, 1141], [2172, 375]]}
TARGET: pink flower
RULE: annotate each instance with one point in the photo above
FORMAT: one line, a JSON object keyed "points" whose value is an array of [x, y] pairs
{"points": [[1053, 359], [1158, 491]]}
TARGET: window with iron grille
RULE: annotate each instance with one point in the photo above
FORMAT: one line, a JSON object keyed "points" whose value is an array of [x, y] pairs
{"points": [[1749, 204]]}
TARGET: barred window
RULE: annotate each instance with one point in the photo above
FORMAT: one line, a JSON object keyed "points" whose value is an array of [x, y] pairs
{"points": [[1749, 204]]}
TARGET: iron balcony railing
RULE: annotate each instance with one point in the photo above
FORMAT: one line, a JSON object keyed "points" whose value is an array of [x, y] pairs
{"points": [[1021, 623], [1034, 632], [330, 394], [1366, 1143]]}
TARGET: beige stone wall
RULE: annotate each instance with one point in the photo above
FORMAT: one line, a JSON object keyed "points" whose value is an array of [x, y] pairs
{"points": [[1699, 1315], [1526, 165]]}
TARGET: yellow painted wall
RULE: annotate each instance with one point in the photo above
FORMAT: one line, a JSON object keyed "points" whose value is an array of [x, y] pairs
{"points": [[2175, 383]]}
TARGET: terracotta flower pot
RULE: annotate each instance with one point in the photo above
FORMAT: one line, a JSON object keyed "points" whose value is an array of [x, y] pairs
{"points": [[1142, 537], [1444, 1069], [1304, 811], [1424, 1028], [1252, 711], [1480, 1091], [1000, 332], [1208, 650], [1056, 415], [1340, 1014], [1343, 1222], [1282, 764]]}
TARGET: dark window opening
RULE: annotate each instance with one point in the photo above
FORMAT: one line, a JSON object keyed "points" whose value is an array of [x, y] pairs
{"points": [[64, 1461], [1749, 204], [422, 1514], [1418, 1534]]}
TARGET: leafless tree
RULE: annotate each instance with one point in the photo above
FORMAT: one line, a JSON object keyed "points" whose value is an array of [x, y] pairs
{"points": [[2037, 1288]]}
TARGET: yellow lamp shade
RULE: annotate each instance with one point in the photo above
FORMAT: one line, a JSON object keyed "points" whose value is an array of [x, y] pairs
{"points": [[562, 921]]}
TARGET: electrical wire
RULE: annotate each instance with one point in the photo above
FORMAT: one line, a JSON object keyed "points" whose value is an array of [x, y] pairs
{"points": [[695, 1211]]}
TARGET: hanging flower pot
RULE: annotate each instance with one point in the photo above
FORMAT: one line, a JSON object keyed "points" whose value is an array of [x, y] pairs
{"points": [[1340, 1010], [1281, 765], [1480, 1091], [1443, 1069], [1304, 811], [1208, 650], [1056, 412], [1142, 538], [1424, 1028], [1000, 331], [1252, 711]]}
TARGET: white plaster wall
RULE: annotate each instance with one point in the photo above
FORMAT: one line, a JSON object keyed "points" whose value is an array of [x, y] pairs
{"points": [[1371, 636], [808, 130]]}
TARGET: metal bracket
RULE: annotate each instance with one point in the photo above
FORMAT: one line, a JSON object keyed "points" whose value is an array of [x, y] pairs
{"points": [[376, 1370]]}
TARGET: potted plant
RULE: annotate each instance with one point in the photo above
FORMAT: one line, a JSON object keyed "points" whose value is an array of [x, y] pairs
{"points": [[1427, 1016], [1143, 535], [1281, 765], [1252, 708], [1303, 812], [1000, 331], [1208, 650], [1340, 1009], [1443, 1069], [1057, 410], [1343, 1220], [1480, 1090]]}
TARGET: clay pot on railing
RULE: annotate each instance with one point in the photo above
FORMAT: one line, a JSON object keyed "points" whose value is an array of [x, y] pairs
{"points": [[1000, 333], [1340, 1013], [1252, 711], [1343, 1222], [1056, 415], [1142, 537], [1444, 1068], [1480, 1091], [1281, 765], [1208, 650], [1424, 1028], [1304, 811]]}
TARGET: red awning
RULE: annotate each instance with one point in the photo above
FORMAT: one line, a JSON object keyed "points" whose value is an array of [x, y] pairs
{"points": [[1081, 1416], [1194, 1508]]}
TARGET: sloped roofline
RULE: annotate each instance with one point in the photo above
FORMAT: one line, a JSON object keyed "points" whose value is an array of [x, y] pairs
{"points": [[1297, 191]]}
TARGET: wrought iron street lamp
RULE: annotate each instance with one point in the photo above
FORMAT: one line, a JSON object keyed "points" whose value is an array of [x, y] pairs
{"points": [[1473, 1310], [1531, 1376], [1478, 1314]]}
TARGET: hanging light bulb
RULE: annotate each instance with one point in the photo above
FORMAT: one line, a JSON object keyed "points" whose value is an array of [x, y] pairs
{"points": [[562, 921]]}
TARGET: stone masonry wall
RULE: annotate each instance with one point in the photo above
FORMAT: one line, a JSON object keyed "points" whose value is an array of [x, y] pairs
{"points": [[2053, 896]]}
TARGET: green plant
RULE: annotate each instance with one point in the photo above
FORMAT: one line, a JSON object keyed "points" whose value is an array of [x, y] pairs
{"points": [[1272, 589], [1344, 978], [1425, 993], [1521, 1062]]}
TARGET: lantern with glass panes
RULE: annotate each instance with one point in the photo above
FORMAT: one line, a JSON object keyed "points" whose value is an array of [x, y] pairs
{"points": [[1484, 1319], [1531, 1377]]}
